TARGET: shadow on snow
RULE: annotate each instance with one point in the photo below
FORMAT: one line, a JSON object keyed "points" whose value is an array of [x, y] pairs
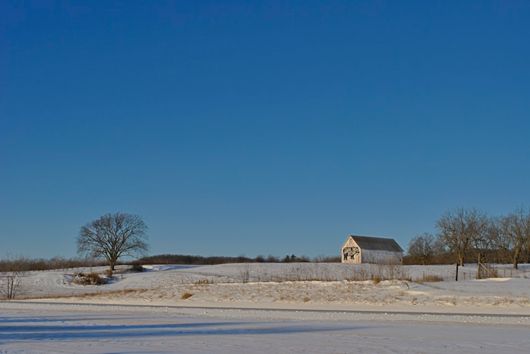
{"points": [[25, 332]]}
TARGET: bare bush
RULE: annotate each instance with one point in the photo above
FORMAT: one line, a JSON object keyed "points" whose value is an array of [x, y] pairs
{"points": [[137, 268], [11, 279], [88, 279], [10, 283], [244, 274]]}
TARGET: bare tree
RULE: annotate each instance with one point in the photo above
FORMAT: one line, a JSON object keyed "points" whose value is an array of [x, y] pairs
{"points": [[500, 245], [422, 248], [514, 234], [10, 285], [484, 230], [11, 279], [113, 236], [479, 227], [461, 229]]}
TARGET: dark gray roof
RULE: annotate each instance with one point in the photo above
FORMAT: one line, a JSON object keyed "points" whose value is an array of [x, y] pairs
{"points": [[377, 243]]}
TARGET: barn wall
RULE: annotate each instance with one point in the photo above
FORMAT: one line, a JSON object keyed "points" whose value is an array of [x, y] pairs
{"points": [[381, 257]]}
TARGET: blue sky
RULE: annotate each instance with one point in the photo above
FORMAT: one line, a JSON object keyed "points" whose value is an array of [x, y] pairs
{"points": [[246, 127]]}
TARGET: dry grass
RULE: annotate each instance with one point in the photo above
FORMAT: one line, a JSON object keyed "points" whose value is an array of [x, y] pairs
{"points": [[92, 294], [317, 272], [430, 278], [376, 279], [186, 296]]}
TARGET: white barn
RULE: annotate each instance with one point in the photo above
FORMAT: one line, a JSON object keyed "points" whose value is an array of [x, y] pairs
{"points": [[364, 249]]}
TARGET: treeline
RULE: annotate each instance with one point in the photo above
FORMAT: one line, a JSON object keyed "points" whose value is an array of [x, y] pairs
{"points": [[22, 264], [469, 235], [200, 260]]}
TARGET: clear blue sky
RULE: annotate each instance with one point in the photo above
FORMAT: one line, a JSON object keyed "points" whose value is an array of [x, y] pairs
{"points": [[242, 127]]}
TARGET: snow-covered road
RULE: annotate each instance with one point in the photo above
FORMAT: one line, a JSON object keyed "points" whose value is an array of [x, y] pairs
{"points": [[42, 328]]}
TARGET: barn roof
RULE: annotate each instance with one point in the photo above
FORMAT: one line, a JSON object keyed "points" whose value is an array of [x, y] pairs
{"points": [[377, 243]]}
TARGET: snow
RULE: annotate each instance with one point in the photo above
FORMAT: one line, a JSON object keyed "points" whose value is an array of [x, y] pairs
{"points": [[264, 308], [290, 286], [59, 328]]}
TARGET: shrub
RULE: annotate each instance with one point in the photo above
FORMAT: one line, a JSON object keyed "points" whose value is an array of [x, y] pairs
{"points": [[136, 268], [245, 274], [9, 284], [88, 279], [376, 279]]}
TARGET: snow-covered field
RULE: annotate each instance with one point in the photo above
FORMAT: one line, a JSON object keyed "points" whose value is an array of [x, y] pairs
{"points": [[298, 285], [270, 308]]}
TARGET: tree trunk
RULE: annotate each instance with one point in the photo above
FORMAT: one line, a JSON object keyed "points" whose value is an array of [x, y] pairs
{"points": [[112, 264], [479, 269], [516, 260], [461, 260]]}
